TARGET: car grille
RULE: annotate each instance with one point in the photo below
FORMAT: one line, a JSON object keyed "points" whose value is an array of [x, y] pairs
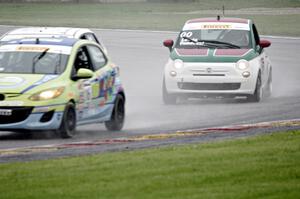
{"points": [[18, 114], [208, 86]]}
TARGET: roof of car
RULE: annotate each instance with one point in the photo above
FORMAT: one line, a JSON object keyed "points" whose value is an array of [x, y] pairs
{"points": [[49, 31], [55, 32], [43, 41], [222, 19]]}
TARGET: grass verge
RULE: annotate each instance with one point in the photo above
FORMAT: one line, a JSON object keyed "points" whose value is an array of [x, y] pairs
{"points": [[258, 167], [151, 16]]}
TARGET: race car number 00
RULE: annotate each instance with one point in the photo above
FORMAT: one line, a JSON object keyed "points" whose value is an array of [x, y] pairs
{"points": [[186, 34]]}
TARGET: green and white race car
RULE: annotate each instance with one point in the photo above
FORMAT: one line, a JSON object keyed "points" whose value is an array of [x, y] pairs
{"points": [[217, 57], [57, 84]]}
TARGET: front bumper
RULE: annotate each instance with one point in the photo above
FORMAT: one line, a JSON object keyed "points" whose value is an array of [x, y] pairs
{"points": [[209, 86], [210, 79], [32, 118]]}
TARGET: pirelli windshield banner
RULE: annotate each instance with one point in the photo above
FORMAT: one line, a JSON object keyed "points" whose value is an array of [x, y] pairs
{"points": [[216, 26]]}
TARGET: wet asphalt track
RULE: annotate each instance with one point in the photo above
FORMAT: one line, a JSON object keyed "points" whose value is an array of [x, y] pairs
{"points": [[141, 58]]}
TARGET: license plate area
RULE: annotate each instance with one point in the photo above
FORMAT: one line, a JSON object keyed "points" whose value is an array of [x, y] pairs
{"points": [[5, 112]]}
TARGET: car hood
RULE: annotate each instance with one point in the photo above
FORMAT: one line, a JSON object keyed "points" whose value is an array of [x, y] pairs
{"points": [[212, 55], [22, 83]]}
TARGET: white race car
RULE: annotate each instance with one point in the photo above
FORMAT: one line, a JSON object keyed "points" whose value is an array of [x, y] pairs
{"points": [[55, 32], [215, 57]]}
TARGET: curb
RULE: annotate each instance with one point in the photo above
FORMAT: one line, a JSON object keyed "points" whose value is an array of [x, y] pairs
{"points": [[150, 137]]}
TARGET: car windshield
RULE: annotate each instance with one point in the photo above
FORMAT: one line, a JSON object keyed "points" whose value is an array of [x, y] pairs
{"points": [[32, 62], [214, 38]]}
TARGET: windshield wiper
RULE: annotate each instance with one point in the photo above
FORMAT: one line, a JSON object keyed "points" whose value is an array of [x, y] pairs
{"points": [[37, 57], [220, 42], [211, 43], [202, 44]]}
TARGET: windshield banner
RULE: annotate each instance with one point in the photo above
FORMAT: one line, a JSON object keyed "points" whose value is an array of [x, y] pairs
{"points": [[36, 48], [216, 26]]}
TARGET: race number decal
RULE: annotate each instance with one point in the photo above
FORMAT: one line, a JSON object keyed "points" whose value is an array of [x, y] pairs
{"points": [[186, 34]]}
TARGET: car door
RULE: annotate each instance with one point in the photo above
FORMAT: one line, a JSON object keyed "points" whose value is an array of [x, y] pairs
{"points": [[103, 83], [85, 106]]}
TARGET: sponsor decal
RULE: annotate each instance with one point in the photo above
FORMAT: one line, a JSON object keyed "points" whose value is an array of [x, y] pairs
{"points": [[45, 79], [36, 48], [11, 82], [11, 103], [32, 48], [216, 26]]}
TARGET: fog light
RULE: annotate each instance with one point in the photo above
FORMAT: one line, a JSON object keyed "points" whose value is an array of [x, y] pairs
{"points": [[47, 116], [173, 73], [246, 74]]}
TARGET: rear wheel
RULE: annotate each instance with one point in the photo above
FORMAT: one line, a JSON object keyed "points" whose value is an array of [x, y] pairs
{"points": [[257, 96], [116, 122], [68, 124], [167, 97]]}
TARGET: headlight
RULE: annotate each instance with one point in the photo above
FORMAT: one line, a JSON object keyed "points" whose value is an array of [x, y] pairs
{"points": [[242, 64], [178, 63], [47, 94]]}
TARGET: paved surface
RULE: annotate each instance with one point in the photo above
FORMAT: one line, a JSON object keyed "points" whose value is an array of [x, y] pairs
{"points": [[141, 58]]}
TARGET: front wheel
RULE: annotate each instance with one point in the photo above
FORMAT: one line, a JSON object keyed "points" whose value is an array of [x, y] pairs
{"points": [[257, 96], [116, 122], [68, 124]]}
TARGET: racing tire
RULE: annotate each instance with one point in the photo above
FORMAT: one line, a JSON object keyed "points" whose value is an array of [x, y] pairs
{"points": [[257, 96], [116, 122], [268, 91], [67, 128], [168, 98]]}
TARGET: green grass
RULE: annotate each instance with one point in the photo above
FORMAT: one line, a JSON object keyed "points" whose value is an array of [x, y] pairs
{"points": [[258, 167], [151, 16]]}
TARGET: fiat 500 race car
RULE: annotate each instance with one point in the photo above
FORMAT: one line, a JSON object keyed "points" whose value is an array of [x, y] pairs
{"points": [[57, 84], [215, 57]]}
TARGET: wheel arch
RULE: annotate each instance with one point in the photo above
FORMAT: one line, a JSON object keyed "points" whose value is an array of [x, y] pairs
{"points": [[72, 101], [122, 93]]}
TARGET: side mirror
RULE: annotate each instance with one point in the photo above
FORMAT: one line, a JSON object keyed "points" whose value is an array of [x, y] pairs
{"points": [[168, 43], [83, 73], [264, 43]]}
